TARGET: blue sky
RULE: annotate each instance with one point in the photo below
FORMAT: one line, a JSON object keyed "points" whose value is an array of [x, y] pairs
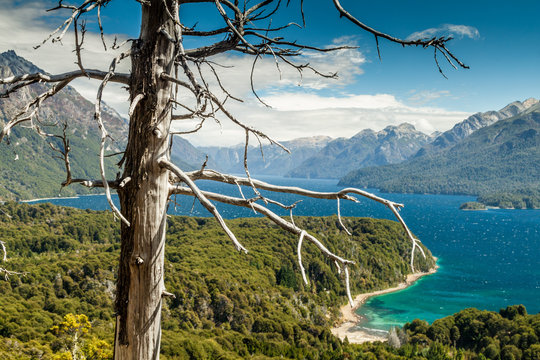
{"points": [[499, 40]]}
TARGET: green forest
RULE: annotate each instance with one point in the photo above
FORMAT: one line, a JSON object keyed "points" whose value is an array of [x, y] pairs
{"points": [[227, 305], [519, 199]]}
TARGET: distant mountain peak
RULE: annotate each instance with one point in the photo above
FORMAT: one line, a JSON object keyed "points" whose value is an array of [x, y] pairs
{"points": [[403, 127], [13, 64], [501, 157], [516, 107], [364, 132], [406, 125], [392, 144], [474, 122], [530, 102]]}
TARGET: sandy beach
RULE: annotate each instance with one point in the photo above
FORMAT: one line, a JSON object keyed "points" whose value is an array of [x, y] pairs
{"points": [[349, 318]]}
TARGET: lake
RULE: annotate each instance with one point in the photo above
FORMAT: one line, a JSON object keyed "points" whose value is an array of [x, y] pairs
{"points": [[488, 259]]}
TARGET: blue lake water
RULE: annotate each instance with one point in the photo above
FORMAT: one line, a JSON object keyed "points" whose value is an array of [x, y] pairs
{"points": [[488, 259]]}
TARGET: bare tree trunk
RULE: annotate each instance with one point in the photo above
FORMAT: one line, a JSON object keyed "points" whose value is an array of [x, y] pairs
{"points": [[144, 198]]}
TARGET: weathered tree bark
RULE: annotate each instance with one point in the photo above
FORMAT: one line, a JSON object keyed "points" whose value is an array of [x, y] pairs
{"points": [[144, 198]]}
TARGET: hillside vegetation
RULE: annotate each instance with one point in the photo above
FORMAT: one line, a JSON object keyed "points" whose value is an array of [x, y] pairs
{"points": [[228, 305], [510, 334]]}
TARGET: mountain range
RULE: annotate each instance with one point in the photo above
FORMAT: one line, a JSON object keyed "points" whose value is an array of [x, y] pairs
{"points": [[391, 145], [501, 157], [474, 122], [324, 157], [311, 157], [268, 160]]}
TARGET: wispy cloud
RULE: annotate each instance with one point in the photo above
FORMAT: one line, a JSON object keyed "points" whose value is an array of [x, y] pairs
{"points": [[447, 30], [426, 96], [269, 78]]}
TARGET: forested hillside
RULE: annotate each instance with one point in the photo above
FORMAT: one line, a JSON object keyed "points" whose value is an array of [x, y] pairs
{"points": [[228, 305], [509, 334]]}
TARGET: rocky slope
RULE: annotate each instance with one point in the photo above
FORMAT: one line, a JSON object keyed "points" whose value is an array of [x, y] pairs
{"points": [[187, 156]]}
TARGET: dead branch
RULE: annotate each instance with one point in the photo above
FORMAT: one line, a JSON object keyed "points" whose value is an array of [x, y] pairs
{"points": [[4, 251], [78, 45], [7, 273], [203, 200], [24, 116], [288, 226], [437, 43], [339, 218], [299, 251], [342, 194], [24, 80], [231, 179], [86, 6]]}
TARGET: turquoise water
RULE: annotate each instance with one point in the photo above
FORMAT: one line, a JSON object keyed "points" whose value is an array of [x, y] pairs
{"points": [[488, 259]]}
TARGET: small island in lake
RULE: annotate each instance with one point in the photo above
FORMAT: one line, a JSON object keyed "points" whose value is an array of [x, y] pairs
{"points": [[517, 199], [472, 205]]}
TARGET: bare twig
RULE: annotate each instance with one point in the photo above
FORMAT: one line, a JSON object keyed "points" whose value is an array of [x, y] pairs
{"points": [[4, 251], [103, 132], [437, 43], [7, 273], [202, 199], [339, 218], [24, 80], [299, 251]]}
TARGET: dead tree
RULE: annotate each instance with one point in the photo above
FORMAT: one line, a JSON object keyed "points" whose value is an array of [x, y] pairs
{"points": [[161, 68]]}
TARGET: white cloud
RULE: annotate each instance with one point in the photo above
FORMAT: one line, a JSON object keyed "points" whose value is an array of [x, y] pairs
{"points": [[296, 111], [447, 30], [300, 102], [268, 78]]}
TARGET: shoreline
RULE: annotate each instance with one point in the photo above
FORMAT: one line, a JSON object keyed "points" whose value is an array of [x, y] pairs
{"points": [[50, 198], [60, 198], [349, 319]]}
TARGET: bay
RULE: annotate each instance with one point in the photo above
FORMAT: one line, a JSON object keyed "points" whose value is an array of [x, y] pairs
{"points": [[488, 259]]}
